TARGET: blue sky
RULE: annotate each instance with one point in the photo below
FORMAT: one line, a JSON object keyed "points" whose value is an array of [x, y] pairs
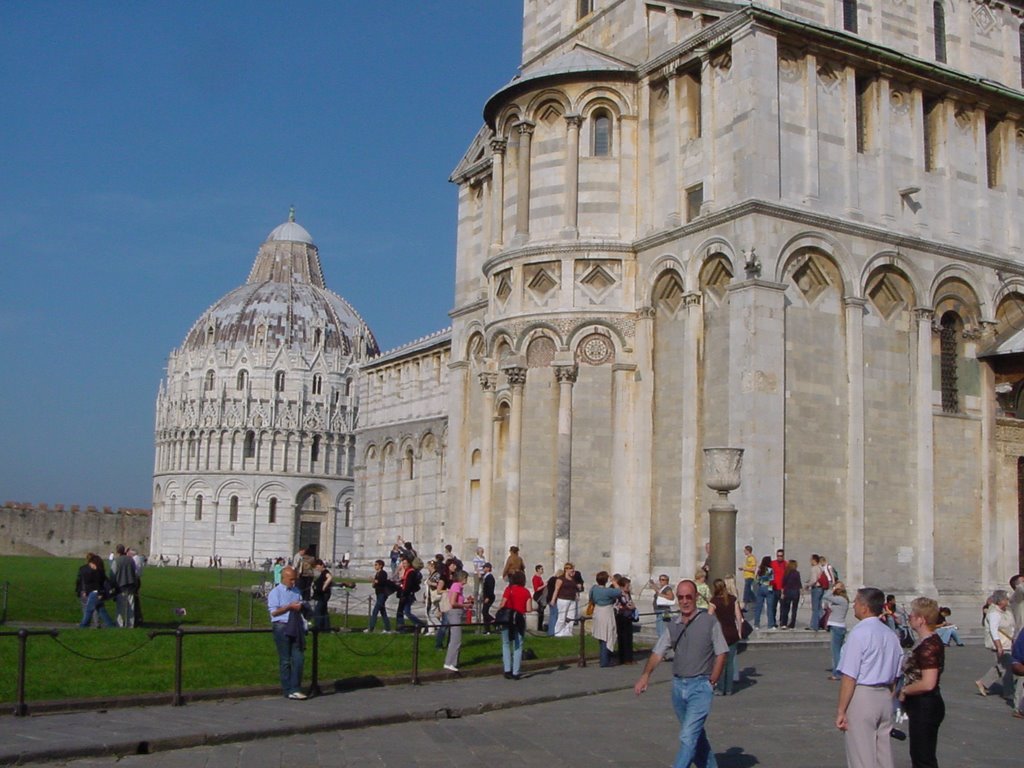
{"points": [[148, 148]]}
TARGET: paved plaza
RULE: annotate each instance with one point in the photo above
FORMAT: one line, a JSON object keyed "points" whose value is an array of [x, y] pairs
{"points": [[781, 715]]}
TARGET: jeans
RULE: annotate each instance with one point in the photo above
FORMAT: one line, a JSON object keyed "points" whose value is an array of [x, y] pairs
{"points": [[774, 619], [605, 654], [552, 618], [691, 699], [790, 601], [816, 593], [763, 599], [405, 604], [511, 653], [659, 620], [748, 591], [926, 713], [442, 630], [948, 635], [94, 604], [320, 618], [729, 672], [380, 609], [290, 658], [838, 637]]}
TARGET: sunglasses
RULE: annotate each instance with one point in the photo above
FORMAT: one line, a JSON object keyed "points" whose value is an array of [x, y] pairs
{"points": [[686, 597]]}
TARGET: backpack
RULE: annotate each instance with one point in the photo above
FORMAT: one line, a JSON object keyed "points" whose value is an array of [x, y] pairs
{"points": [[412, 586], [417, 562], [823, 578]]}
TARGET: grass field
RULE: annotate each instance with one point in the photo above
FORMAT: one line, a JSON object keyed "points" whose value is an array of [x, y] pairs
{"points": [[87, 663]]}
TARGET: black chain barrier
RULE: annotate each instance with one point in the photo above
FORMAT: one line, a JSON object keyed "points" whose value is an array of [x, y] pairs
{"points": [[86, 656]]}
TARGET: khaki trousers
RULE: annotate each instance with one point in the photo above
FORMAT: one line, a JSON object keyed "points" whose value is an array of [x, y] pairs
{"points": [[870, 720]]}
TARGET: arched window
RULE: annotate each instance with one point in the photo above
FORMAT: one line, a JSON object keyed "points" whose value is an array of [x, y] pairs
{"points": [[199, 507], [208, 381], [272, 515], [318, 384], [601, 134], [249, 448], [314, 451], [318, 336], [850, 15], [408, 465], [584, 8], [243, 379], [233, 510], [939, 18], [191, 445], [279, 381], [209, 334], [949, 330], [348, 514], [348, 387]]}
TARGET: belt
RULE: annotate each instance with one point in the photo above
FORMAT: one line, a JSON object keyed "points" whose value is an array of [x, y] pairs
{"points": [[887, 686], [690, 677]]}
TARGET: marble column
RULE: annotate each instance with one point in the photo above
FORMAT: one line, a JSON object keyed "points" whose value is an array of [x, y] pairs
{"points": [[925, 517], [523, 180], [516, 376], [487, 383], [498, 147], [643, 447], [623, 512], [854, 307], [566, 377], [691, 490], [572, 176], [459, 505], [991, 542]]}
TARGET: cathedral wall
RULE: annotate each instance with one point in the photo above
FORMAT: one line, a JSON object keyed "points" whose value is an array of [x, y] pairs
{"points": [[537, 500], [714, 400], [816, 415], [37, 530], [593, 475], [958, 527], [547, 171], [890, 486], [667, 443], [1009, 473]]}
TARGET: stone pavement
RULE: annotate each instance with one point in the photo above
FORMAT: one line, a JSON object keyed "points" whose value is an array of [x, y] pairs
{"points": [[781, 715]]}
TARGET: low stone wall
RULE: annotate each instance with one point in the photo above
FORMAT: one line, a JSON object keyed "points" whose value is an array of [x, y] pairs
{"points": [[29, 529]]}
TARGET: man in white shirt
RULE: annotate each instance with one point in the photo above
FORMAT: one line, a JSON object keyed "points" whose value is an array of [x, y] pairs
{"points": [[285, 605]]}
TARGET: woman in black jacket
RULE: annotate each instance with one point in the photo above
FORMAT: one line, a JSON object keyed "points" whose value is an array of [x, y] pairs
{"points": [[91, 588]]}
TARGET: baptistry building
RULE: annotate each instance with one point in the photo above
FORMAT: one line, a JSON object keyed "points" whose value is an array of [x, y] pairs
{"points": [[255, 419]]}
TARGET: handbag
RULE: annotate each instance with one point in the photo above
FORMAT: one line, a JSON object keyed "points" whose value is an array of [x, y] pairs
{"points": [[503, 616], [825, 616], [746, 630], [446, 602], [589, 611]]}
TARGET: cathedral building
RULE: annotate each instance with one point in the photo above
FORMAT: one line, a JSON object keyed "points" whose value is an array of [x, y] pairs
{"points": [[255, 420], [788, 226]]}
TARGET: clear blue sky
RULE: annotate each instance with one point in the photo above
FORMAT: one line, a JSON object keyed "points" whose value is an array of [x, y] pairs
{"points": [[148, 148]]}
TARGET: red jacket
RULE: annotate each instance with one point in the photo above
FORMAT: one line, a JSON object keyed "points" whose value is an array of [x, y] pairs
{"points": [[778, 571]]}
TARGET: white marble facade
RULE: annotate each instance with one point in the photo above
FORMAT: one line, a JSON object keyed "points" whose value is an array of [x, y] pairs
{"points": [[255, 420], [792, 227]]}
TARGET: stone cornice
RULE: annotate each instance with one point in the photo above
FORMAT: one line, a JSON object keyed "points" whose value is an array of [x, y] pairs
{"points": [[404, 424], [831, 224], [685, 52], [466, 309]]}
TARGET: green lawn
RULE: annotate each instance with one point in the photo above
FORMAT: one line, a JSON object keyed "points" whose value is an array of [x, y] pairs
{"points": [[87, 663]]}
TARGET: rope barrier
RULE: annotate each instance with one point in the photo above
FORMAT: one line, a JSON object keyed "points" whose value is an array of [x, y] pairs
{"points": [[87, 657]]}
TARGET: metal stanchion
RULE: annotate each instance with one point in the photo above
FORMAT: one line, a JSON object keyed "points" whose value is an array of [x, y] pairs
{"points": [[238, 606], [583, 642], [415, 655], [3, 607], [314, 682], [179, 641], [20, 709]]}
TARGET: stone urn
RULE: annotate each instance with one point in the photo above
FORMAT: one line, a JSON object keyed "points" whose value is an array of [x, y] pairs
{"points": [[722, 474]]}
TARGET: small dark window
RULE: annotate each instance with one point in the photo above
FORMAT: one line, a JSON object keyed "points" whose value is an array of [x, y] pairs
{"points": [[243, 379], [348, 387], [279, 381], [199, 507], [948, 332], [318, 384], [314, 451], [850, 15], [694, 200], [602, 138], [272, 515], [233, 511], [210, 335], [939, 16], [863, 94], [993, 153], [208, 381], [348, 514], [249, 449], [584, 8], [932, 126], [318, 335]]}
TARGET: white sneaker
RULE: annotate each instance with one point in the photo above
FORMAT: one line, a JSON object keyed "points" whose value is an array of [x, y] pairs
{"points": [[367, 631], [298, 696], [451, 667]]}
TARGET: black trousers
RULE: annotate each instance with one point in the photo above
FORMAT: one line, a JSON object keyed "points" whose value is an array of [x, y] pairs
{"points": [[624, 629], [926, 713]]}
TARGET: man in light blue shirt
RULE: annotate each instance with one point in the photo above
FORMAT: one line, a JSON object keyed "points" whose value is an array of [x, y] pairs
{"points": [[869, 665], [285, 605]]}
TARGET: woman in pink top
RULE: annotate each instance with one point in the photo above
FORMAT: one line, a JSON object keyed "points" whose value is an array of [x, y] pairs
{"points": [[455, 613]]}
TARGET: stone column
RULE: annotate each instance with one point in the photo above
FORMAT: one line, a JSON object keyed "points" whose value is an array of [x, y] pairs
{"points": [[458, 503], [925, 518], [811, 167], [851, 184], [757, 414], [566, 377], [690, 495], [675, 216], [855, 439], [572, 176], [991, 542], [498, 147], [643, 449], [887, 193], [516, 376], [756, 79], [523, 172], [624, 515], [487, 383]]}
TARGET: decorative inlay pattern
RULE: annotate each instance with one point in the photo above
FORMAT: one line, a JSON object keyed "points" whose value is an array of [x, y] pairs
{"points": [[594, 349]]}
